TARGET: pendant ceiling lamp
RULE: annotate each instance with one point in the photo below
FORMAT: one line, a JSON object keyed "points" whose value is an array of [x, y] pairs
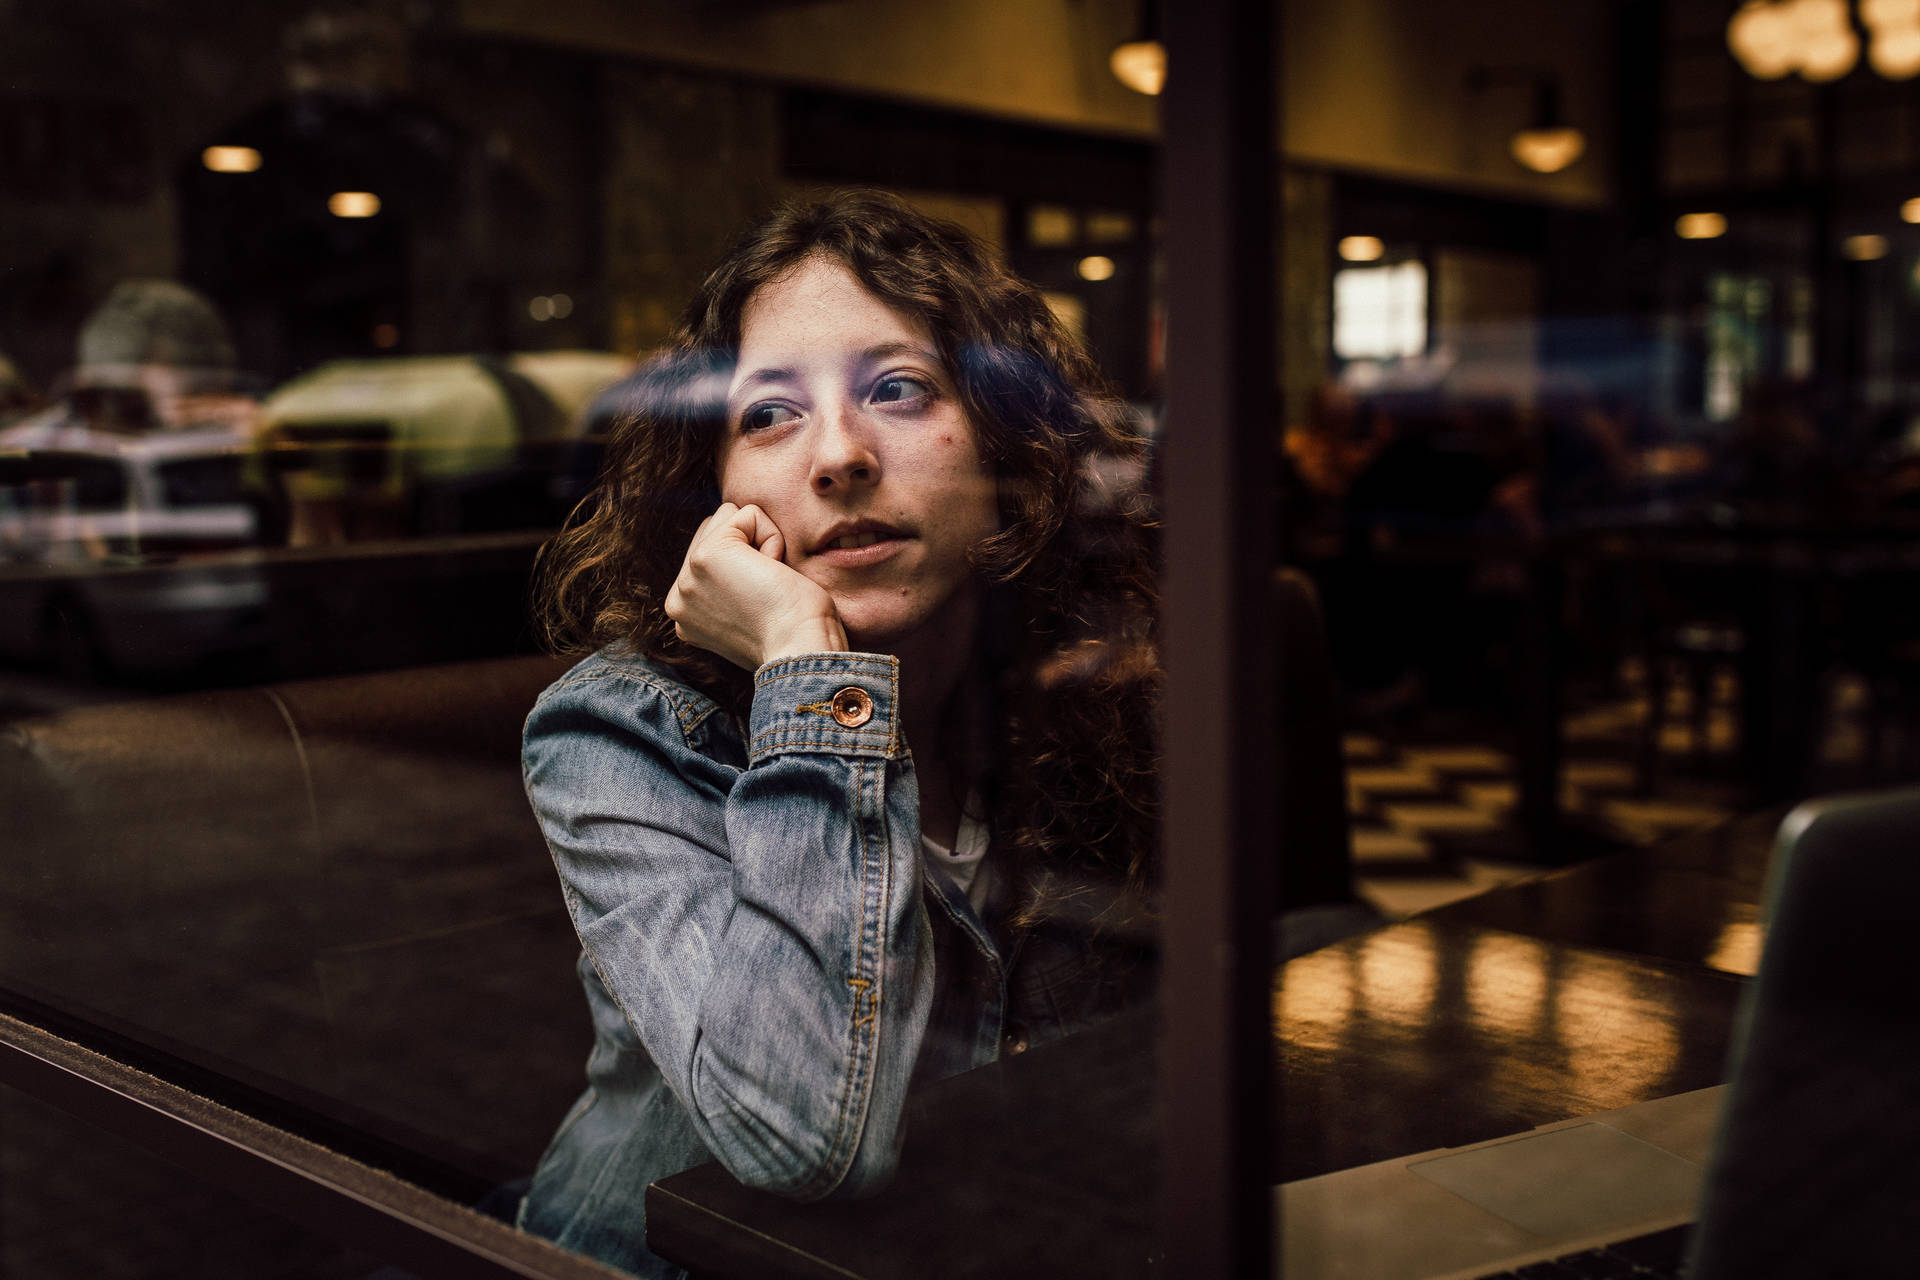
{"points": [[1548, 142], [1141, 63]]}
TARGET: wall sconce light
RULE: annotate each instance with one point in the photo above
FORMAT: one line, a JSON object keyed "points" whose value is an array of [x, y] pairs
{"points": [[1546, 143], [1141, 63], [1361, 248]]}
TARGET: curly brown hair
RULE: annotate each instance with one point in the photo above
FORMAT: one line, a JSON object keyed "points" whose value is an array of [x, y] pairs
{"points": [[1068, 629]]}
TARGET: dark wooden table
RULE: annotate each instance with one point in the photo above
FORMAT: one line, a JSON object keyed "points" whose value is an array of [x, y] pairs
{"points": [[1600, 986]]}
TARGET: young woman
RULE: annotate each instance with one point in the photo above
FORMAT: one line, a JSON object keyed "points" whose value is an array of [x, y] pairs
{"points": [[856, 788]]}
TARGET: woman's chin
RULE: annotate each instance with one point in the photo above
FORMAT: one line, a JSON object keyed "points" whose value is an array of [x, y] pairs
{"points": [[907, 623]]}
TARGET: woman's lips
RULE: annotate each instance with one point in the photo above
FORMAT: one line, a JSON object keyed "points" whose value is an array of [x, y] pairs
{"points": [[882, 548], [856, 544]]}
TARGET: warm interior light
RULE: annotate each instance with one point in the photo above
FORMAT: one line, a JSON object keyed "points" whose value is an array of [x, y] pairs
{"points": [[1830, 57], [1095, 267], [1701, 226], [1548, 150], [1864, 248], [1879, 15], [1774, 37], [230, 159], [1762, 36], [1141, 65], [353, 204], [1895, 53], [1361, 248], [1910, 211]]}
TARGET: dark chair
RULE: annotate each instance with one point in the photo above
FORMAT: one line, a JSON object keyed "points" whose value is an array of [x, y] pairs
{"points": [[1692, 626], [1315, 903]]}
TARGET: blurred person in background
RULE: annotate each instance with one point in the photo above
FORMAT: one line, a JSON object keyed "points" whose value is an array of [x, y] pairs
{"points": [[154, 356]]}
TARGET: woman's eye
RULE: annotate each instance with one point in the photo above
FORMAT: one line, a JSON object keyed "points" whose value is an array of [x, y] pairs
{"points": [[762, 416], [896, 387]]}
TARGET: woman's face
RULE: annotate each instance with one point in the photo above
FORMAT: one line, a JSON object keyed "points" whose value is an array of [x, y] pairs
{"points": [[844, 427]]}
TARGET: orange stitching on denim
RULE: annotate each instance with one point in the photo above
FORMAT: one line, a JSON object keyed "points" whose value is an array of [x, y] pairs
{"points": [[824, 665], [807, 736], [842, 1138], [818, 708], [863, 990]]}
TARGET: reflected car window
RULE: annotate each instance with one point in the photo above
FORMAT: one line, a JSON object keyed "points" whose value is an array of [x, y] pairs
{"points": [[203, 482]]}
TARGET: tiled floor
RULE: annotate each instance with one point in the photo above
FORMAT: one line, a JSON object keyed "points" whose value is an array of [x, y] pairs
{"points": [[1434, 812]]}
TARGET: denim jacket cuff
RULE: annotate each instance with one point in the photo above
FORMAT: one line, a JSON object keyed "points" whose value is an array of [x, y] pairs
{"points": [[846, 703]]}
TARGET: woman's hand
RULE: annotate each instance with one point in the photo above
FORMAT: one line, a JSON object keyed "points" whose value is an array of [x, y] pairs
{"points": [[736, 597]]}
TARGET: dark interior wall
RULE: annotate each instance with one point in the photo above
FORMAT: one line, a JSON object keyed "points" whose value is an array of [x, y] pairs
{"points": [[486, 163], [486, 154], [689, 159], [830, 138], [97, 98], [508, 170]]}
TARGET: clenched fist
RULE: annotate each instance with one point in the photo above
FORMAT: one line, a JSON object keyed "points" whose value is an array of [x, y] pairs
{"points": [[737, 597]]}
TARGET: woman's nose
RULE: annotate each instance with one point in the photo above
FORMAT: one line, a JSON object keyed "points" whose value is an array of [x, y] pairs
{"points": [[843, 453]]}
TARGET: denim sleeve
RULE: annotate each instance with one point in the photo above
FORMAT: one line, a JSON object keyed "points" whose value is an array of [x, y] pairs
{"points": [[761, 929]]}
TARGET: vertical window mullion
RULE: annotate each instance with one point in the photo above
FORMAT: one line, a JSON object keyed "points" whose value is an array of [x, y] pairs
{"points": [[1221, 818]]}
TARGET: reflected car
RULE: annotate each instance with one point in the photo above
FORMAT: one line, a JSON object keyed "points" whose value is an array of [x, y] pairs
{"points": [[100, 494], [410, 445], [110, 551]]}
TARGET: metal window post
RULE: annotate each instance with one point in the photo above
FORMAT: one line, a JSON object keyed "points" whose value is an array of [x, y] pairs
{"points": [[1220, 814]]}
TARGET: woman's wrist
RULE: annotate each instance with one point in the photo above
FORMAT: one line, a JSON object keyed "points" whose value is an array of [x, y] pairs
{"points": [[815, 635]]}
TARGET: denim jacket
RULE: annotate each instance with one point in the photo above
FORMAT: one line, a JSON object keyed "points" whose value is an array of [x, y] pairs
{"points": [[767, 961]]}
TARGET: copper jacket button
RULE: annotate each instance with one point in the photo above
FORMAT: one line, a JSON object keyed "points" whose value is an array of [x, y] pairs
{"points": [[1015, 1041], [852, 706]]}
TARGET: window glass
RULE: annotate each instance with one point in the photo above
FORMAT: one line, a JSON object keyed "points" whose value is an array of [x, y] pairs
{"points": [[347, 364], [77, 1201], [319, 321]]}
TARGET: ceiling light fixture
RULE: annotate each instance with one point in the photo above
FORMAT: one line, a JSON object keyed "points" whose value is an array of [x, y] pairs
{"points": [[1867, 248], [230, 159], [1141, 63], [353, 204], [1547, 143], [1700, 226], [1775, 38]]}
